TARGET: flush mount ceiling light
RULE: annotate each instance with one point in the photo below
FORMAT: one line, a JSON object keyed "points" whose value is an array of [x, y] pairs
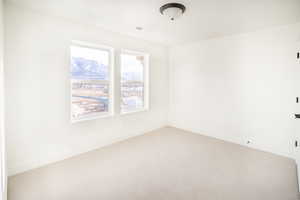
{"points": [[172, 10]]}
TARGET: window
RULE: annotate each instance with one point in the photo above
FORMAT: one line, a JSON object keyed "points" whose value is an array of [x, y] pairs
{"points": [[91, 88], [134, 82]]}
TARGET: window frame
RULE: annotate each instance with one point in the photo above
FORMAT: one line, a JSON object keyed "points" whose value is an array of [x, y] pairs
{"points": [[110, 51], [145, 76]]}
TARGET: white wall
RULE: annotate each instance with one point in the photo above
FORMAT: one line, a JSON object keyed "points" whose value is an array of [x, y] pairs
{"points": [[235, 88], [38, 90], [2, 138], [239, 88]]}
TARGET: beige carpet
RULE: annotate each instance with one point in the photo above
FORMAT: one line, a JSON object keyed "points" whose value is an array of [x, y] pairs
{"points": [[167, 164]]}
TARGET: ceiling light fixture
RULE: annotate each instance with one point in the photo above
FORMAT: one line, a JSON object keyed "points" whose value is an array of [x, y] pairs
{"points": [[172, 10]]}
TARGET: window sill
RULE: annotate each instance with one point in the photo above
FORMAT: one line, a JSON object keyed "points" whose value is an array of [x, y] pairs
{"points": [[106, 115], [135, 111]]}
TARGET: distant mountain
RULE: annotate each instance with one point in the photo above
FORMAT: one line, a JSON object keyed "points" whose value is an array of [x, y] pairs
{"points": [[82, 68], [88, 69]]}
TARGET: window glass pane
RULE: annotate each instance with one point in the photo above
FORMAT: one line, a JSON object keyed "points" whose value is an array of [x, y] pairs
{"points": [[90, 82], [89, 98], [132, 82], [89, 64]]}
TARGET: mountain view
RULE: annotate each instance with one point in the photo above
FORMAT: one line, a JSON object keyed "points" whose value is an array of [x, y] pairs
{"points": [[89, 96], [83, 68]]}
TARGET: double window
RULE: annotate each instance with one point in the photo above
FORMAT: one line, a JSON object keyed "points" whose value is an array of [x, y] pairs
{"points": [[92, 79]]}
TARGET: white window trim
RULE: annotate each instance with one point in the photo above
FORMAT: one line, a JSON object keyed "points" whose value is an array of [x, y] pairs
{"points": [[110, 112], [146, 81]]}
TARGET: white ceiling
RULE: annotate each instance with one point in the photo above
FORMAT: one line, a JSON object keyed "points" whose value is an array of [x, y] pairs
{"points": [[203, 18]]}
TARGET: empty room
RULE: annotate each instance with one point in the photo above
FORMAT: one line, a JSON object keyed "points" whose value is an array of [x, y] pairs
{"points": [[149, 100]]}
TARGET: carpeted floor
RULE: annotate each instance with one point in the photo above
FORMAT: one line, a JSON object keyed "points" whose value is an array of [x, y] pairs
{"points": [[166, 164]]}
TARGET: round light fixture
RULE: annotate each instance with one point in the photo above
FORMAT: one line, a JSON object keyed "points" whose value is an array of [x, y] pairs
{"points": [[172, 10]]}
